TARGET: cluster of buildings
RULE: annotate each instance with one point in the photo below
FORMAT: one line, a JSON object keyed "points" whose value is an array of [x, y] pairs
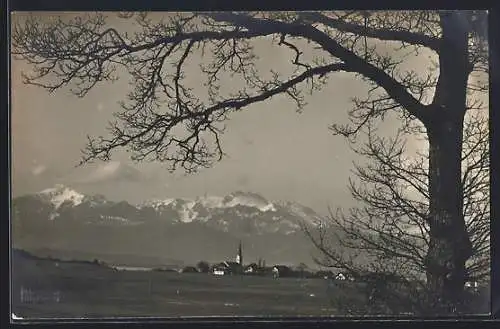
{"points": [[237, 267]]}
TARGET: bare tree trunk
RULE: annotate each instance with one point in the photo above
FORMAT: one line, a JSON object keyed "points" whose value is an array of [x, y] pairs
{"points": [[450, 245]]}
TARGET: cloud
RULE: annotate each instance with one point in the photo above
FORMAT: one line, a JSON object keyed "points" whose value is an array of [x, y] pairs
{"points": [[38, 170], [112, 171]]}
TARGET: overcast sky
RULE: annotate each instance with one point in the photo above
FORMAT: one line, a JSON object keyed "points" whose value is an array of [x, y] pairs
{"points": [[272, 150]]}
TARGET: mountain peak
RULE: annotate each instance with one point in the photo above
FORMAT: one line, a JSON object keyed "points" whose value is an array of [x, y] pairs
{"points": [[60, 194], [55, 189], [249, 199]]}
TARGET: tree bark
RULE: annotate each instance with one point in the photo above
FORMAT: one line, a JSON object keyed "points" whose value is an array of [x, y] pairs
{"points": [[450, 246]]}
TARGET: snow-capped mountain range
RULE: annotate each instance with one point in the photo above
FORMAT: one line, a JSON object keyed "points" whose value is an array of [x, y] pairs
{"points": [[203, 227], [246, 209]]}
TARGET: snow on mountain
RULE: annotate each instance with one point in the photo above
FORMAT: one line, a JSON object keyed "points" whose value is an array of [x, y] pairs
{"points": [[61, 194], [301, 211], [183, 207], [223, 212], [211, 202], [187, 214], [106, 219], [244, 212], [156, 203], [95, 200], [53, 215], [248, 199]]}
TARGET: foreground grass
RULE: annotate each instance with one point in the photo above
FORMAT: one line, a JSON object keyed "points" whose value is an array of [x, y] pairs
{"points": [[43, 288], [85, 290]]}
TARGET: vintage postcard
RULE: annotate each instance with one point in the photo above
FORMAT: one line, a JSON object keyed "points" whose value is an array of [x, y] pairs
{"points": [[262, 164]]}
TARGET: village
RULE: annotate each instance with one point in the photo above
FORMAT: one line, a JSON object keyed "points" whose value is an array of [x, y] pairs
{"points": [[259, 268]]}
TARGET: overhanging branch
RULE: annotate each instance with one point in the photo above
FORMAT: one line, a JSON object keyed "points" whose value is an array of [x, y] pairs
{"points": [[200, 120], [371, 32], [357, 64]]}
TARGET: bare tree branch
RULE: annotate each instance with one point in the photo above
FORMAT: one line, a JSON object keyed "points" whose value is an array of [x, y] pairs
{"points": [[372, 32], [357, 64]]}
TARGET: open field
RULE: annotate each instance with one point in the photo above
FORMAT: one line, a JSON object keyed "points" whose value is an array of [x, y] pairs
{"points": [[41, 289], [44, 288]]}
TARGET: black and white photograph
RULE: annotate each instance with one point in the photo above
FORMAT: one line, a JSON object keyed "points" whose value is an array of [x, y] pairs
{"points": [[249, 164]]}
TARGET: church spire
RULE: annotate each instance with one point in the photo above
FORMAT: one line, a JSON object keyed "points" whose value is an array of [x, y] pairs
{"points": [[239, 256]]}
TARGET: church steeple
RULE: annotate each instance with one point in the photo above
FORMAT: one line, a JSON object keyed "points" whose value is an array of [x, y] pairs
{"points": [[239, 256]]}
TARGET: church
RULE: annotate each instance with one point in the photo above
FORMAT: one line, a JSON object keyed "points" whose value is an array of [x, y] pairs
{"points": [[239, 256], [230, 267]]}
